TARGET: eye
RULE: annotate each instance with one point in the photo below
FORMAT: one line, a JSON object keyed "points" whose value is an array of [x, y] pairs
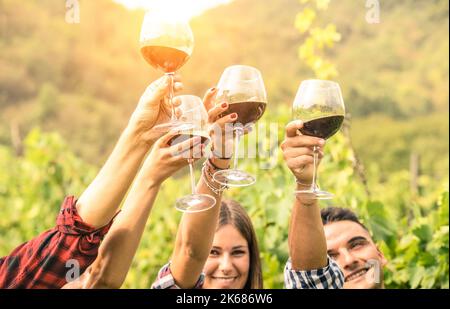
{"points": [[214, 252], [238, 252], [358, 244], [333, 256]]}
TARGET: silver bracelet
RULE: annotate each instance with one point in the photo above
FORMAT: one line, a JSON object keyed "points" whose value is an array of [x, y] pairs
{"points": [[207, 176], [210, 186], [208, 168]]}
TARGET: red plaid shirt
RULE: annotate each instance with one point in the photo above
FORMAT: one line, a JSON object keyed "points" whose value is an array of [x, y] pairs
{"points": [[41, 262]]}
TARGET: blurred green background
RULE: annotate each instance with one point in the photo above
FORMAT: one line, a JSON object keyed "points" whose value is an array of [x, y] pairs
{"points": [[67, 91]]}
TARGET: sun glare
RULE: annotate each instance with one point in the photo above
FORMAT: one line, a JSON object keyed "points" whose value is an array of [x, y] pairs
{"points": [[182, 9]]}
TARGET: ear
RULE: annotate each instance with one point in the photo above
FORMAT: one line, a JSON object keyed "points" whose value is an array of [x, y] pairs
{"points": [[383, 259]]}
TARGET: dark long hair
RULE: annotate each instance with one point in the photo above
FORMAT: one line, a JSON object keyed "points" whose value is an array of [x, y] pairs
{"points": [[231, 212]]}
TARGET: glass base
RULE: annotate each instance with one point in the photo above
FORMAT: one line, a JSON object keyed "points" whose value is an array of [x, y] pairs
{"points": [[173, 125], [234, 178], [195, 203], [316, 194]]}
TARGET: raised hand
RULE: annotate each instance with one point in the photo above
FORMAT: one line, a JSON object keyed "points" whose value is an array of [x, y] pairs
{"points": [[298, 152], [164, 159], [154, 108], [221, 128]]}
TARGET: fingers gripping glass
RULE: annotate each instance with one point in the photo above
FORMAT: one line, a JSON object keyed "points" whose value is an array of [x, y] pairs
{"points": [[320, 106], [195, 124], [242, 87], [166, 44]]}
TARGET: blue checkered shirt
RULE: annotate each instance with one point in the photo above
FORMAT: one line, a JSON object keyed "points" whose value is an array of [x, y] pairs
{"points": [[165, 279], [329, 277]]}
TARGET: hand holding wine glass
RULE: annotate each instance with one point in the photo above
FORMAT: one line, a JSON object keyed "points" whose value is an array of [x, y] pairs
{"points": [[298, 152], [168, 157], [153, 108], [222, 134]]}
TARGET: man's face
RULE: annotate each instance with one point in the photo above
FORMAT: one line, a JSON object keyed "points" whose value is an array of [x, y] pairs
{"points": [[352, 247]]}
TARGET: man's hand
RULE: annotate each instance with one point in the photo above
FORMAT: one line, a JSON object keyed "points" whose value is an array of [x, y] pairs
{"points": [[298, 152]]}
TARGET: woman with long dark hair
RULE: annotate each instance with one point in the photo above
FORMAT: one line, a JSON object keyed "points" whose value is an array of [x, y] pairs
{"points": [[216, 248]]}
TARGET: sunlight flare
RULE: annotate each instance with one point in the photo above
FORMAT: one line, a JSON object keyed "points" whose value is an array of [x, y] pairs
{"points": [[180, 9]]}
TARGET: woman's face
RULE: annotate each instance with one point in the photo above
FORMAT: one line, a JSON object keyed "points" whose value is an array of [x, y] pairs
{"points": [[228, 263]]}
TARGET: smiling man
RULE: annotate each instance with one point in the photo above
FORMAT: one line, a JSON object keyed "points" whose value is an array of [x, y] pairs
{"points": [[350, 245], [328, 248]]}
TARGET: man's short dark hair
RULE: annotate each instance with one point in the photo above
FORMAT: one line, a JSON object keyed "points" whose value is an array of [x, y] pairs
{"points": [[336, 214]]}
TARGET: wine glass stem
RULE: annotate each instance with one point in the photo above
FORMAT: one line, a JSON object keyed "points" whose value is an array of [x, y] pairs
{"points": [[191, 171], [173, 117], [236, 147], [314, 180]]}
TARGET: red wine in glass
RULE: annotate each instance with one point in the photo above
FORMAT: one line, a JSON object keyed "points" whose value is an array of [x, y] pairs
{"points": [[320, 106]]}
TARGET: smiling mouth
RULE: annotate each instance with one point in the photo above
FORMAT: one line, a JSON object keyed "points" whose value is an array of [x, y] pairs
{"points": [[357, 274], [225, 279]]}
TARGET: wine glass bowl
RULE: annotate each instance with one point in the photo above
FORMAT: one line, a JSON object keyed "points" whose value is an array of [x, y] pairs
{"points": [[242, 87], [320, 106], [194, 119], [166, 44]]}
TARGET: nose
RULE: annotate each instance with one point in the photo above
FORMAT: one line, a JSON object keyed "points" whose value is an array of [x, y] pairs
{"points": [[226, 265], [347, 260]]}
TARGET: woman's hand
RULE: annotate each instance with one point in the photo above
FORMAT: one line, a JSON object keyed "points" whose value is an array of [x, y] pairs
{"points": [[164, 159], [154, 108], [298, 152], [221, 128]]}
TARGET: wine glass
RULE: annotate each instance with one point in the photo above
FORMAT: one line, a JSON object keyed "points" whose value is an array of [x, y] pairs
{"points": [[242, 87], [195, 123], [320, 106], [166, 43]]}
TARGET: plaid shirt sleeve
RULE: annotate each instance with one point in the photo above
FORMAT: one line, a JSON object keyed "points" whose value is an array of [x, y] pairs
{"points": [[41, 262], [165, 279], [330, 277]]}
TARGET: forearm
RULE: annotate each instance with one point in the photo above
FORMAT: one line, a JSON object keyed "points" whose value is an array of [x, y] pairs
{"points": [[195, 237], [307, 243], [100, 201], [119, 247], [195, 227]]}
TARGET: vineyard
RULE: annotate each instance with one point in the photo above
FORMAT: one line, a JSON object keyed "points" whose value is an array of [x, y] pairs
{"points": [[412, 230], [64, 103]]}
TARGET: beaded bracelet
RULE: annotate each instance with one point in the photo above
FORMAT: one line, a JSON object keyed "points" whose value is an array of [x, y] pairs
{"points": [[207, 175], [210, 185]]}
